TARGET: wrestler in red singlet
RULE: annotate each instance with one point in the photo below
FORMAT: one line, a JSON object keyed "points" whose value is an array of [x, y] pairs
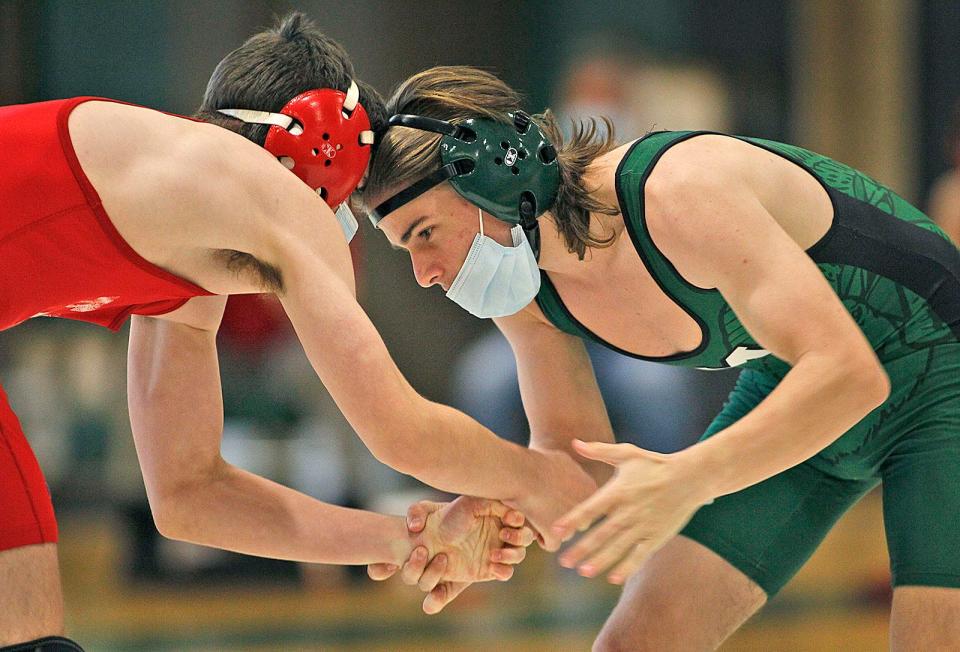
{"points": [[60, 256]]}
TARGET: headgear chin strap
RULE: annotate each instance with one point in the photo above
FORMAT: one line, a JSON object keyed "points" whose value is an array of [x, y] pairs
{"points": [[508, 169], [323, 136]]}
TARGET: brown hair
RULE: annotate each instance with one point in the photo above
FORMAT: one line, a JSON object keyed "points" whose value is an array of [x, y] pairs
{"points": [[265, 73], [403, 156], [276, 65]]}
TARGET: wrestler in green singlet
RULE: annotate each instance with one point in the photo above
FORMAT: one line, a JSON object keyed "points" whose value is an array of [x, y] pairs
{"points": [[897, 274]]}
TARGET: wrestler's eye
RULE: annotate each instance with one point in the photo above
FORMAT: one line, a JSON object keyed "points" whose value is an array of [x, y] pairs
{"points": [[425, 233]]}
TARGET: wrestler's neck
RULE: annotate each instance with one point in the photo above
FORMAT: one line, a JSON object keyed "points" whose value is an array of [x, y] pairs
{"points": [[555, 255]]}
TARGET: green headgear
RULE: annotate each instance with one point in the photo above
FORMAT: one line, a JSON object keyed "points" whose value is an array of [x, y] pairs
{"points": [[509, 170]]}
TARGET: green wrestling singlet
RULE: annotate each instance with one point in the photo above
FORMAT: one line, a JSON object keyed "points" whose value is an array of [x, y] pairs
{"points": [[898, 275]]}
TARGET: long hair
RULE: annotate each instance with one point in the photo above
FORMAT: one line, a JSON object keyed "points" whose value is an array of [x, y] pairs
{"points": [[403, 156]]}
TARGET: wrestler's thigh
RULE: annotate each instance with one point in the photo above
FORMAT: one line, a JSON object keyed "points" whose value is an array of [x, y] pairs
{"points": [[686, 597], [31, 601]]}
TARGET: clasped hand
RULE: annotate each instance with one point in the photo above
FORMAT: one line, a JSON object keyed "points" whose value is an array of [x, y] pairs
{"points": [[649, 499], [465, 541]]}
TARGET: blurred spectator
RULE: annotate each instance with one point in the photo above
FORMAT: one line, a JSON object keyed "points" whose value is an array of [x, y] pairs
{"points": [[599, 85], [640, 93], [944, 202]]}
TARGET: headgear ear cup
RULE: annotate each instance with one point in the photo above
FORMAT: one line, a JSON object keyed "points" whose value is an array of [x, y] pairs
{"points": [[323, 136]]}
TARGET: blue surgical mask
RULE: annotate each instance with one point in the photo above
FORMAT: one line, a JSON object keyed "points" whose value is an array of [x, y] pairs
{"points": [[347, 221], [496, 281]]}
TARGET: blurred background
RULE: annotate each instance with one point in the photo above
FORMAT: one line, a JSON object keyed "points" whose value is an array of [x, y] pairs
{"points": [[874, 83]]}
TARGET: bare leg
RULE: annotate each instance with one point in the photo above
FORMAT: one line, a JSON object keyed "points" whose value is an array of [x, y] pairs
{"points": [[686, 597], [31, 601], [925, 618]]}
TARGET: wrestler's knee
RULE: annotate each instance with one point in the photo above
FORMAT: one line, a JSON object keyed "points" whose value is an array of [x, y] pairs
{"points": [[686, 597]]}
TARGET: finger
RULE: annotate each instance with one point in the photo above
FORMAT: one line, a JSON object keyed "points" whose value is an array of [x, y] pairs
{"points": [[581, 516], [508, 555], [522, 537], [414, 566], [611, 552], [484, 507], [591, 541], [417, 514], [550, 543], [443, 595], [513, 518], [634, 561], [604, 452], [501, 572], [380, 572], [431, 576]]}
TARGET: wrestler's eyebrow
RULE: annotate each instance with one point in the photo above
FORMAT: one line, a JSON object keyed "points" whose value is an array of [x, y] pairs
{"points": [[405, 238]]}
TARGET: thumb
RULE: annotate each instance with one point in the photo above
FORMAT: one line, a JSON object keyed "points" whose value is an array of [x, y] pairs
{"points": [[548, 542], [380, 572], [442, 595], [603, 452], [417, 514]]}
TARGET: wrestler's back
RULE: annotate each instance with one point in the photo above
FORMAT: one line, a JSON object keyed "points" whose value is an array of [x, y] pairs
{"points": [[159, 176]]}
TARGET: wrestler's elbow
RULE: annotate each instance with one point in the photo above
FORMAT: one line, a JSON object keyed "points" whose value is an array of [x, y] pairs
{"points": [[879, 386], [167, 520], [176, 502], [401, 433], [400, 452], [864, 372], [168, 517]]}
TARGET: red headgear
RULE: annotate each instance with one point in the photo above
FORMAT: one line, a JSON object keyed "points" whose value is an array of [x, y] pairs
{"points": [[323, 136]]}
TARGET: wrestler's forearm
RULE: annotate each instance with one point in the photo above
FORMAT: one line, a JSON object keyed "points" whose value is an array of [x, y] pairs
{"points": [[455, 453], [434, 443], [176, 416], [815, 403], [236, 510]]}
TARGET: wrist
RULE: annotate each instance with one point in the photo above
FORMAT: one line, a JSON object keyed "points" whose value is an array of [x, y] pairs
{"points": [[522, 490], [598, 471], [400, 541], [555, 480], [529, 473], [698, 471]]}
